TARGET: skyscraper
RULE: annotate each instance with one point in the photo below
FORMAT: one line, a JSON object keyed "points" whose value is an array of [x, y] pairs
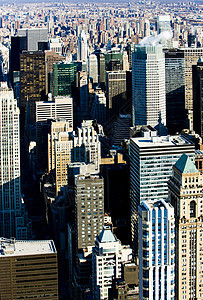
{"points": [[156, 250], [32, 82], [163, 23], [175, 91], [82, 46], [63, 78], [152, 158], [197, 76], [185, 194], [10, 185], [34, 37], [148, 86], [93, 68]]}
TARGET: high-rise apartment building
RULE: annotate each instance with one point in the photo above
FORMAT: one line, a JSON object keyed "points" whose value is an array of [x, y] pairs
{"points": [[60, 108], [185, 194], [10, 184], [152, 158], [29, 269], [32, 82], [89, 208], [175, 91], [156, 251], [197, 76], [107, 257], [63, 78], [148, 86], [82, 46], [93, 68]]}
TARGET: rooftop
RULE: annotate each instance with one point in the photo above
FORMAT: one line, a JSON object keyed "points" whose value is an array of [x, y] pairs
{"points": [[154, 141], [106, 235], [12, 247], [185, 165]]}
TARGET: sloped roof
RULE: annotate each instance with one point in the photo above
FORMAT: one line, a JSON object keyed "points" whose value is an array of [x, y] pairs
{"points": [[185, 165], [106, 235]]}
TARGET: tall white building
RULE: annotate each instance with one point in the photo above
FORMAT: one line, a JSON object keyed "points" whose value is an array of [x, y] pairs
{"points": [[107, 257], [151, 161], [60, 108], [10, 184], [93, 68], [82, 46], [156, 251], [148, 86], [163, 23]]}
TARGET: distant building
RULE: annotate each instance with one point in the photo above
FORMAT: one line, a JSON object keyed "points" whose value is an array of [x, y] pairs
{"points": [[82, 46], [156, 250], [30, 269]]}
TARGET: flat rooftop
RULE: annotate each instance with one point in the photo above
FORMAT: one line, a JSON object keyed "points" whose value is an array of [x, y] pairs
{"points": [[12, 247], [160, 141]]}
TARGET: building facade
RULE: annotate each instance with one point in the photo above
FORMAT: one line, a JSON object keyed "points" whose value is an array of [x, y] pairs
{"points": [[197, 76], [63, 79]]}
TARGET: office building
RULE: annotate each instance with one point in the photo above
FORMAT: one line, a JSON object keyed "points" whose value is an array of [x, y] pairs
{"points": [[151, 161], [185, 194], [89, 208], [29, 269], [60, 108], [63, 79], [82, 47], [148, 86], [34, 36], [156, 250], [93, 68], [197, 76], [175, 91], [32, 82], [12, 223], [115, 92], [125, 61], [57, 126], [107, 257]]}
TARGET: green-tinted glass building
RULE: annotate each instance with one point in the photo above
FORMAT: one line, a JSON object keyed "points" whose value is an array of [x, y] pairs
{"points": [[63, 78]]}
